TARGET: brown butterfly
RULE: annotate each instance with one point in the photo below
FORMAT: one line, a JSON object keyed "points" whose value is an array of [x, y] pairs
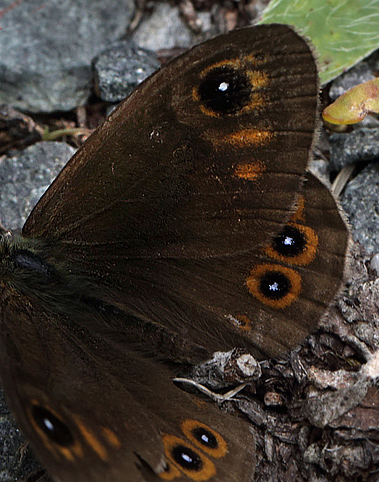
{"points": [[184, 225]]}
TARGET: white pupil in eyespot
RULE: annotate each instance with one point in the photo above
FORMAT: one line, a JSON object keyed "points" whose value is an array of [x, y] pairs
{"points": [[205, 438], [288, 241], [224, 86], [48, 424], [187, 458], [274, 287]]}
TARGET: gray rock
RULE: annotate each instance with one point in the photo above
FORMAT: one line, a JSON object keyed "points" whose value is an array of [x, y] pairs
{"points": [[360, 145], [25, 176], [120, 68], [362, 72], [52, 46], [373, 61], [361, 203], [165, 29], [374, 263], [320, 168]]}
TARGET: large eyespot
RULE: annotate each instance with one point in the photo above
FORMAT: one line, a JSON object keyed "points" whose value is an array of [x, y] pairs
{"points": [[69, 441], [290, 242], [205, 438], [296, 245], [224, 90], [274, 285], [52, 426], [188, 459]]}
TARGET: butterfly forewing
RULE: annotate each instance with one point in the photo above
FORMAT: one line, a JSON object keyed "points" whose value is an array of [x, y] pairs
{"points": [[205, 158]]}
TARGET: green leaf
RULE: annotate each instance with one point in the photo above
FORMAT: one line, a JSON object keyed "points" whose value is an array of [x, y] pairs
{"points": [[343, 31]]}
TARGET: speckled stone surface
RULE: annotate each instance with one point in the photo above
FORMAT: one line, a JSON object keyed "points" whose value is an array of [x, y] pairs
{"points": [[25, 176], [360, 201], [53, 44], [120, 68]]}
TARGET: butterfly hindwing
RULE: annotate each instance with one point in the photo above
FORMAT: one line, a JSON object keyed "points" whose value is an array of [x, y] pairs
{"points": [[266, 299], [118, 416]]}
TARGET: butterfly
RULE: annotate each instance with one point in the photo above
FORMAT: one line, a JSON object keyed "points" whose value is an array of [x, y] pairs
{"points": [[186, 224]]}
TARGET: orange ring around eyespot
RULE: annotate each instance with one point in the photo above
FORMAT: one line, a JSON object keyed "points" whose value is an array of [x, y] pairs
{"points": [[207, 471], [304, 258], [222, 447], [257, 78], [253, 285], [170, 473], [299, 214]]}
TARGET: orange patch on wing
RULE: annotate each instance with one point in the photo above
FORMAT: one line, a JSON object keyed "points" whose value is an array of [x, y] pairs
{"points": [[243, 138], [67, 453], [258, 79], [256, 59], [254, 280], [77, 449], [298, 215], [240, 321], [202, 404], [250, 171], [111, 437], [92, 440], [248, 137]]}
